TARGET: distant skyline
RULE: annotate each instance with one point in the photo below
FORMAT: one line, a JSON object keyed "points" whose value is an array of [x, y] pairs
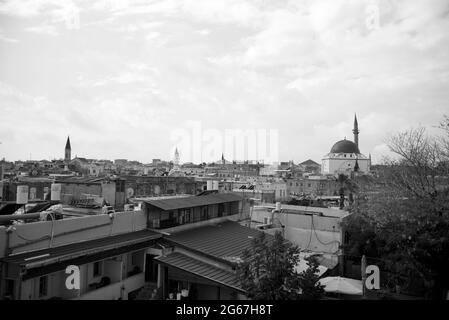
{"points": [[120, 76]]}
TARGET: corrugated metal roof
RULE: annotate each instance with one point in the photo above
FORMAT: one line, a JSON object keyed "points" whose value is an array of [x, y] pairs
{"points": [[194, 201], [201, 269], [82, 248], [225, 241]]}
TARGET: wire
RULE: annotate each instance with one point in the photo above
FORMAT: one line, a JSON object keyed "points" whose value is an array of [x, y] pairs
{"points": [[324, 243], [52, 227], [310, 237]]}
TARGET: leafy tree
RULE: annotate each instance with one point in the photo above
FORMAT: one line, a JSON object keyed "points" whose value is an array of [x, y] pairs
{"points": [[149, 293], [308, 281], [267, 270], [403, 217]]}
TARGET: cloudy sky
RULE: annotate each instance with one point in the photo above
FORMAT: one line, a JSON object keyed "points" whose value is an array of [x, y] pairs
{"points": [[121, 76]]}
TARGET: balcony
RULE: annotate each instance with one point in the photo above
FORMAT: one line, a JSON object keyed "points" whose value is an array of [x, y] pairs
{"points": [[118, 290], [169, 223]]}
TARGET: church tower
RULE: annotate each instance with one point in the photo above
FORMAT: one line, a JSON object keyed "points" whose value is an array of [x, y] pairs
{"points": [[356, 131], [68, 150], [176, 160]]}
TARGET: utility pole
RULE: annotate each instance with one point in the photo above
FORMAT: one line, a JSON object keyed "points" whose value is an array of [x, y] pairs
{"points": [[363, 269]]}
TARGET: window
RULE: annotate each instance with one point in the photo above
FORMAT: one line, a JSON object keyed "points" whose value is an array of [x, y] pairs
{"points": [[187, 217], [204, 213], [134, 258], [97, 268], [9, 288], [43, 286]]}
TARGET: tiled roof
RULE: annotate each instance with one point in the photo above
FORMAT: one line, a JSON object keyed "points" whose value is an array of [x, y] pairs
{"points": [[225, 241], [201, 269], [194, 201], [309, 162]]}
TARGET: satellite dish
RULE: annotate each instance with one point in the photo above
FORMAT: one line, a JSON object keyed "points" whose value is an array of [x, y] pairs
{"points": [[129, 192]]}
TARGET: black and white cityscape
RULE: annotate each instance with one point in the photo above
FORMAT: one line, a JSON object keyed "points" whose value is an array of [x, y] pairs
{"points": [[251, 150]]}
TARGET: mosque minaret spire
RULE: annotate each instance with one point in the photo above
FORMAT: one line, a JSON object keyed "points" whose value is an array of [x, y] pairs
{"points": [[356, 131]]}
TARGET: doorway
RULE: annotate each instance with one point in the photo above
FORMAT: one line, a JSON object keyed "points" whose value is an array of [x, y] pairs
{"points": [[151, 268]]}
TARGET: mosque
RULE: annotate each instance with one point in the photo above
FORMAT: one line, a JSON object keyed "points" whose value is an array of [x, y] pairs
{"points": [[345, 156]]}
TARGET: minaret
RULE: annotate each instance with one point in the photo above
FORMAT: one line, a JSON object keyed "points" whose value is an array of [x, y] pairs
{"points": [[68, 150], [222, 159], [356, 131], [369, 163]]}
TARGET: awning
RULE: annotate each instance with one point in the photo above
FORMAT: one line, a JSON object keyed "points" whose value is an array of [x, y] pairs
{"points": [[342, 285], [201, 269], [35, 263]]}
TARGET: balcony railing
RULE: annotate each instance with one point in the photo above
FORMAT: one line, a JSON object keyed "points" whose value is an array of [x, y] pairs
{"points": [[117, 289], [169, 223]]}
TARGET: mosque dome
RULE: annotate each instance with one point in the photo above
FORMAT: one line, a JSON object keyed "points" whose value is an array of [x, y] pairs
{"points": [[345, 146]]}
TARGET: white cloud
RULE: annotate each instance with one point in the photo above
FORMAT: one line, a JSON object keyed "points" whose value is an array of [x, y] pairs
{"points": [[7, 39], [139, 68], [43, 29]]}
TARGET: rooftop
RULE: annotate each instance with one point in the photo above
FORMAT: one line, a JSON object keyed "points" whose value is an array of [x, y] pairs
{"points": [[225, 241], [43, 258], [326, 212], [309, 162], [194, 201], [201, 269]]}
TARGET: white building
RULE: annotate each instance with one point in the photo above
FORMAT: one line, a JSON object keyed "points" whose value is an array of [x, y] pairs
{"points": [[345, 156]]}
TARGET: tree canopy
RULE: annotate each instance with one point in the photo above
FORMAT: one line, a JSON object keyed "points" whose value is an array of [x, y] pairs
{"points": [[267, 271], [402, 218]]}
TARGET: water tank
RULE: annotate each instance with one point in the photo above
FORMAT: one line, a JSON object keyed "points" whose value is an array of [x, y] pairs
{"points": [[22, 194], [55, 192], [215, 185], [209, 185], [278, 206]]}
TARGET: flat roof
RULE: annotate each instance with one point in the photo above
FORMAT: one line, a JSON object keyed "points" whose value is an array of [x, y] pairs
{"points": [[326, 212], [201, 269], [225, 241], [194, 201], [80, 180]]}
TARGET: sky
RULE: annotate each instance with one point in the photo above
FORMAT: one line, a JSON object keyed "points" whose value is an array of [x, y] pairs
{"points": [[132, 78]]}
